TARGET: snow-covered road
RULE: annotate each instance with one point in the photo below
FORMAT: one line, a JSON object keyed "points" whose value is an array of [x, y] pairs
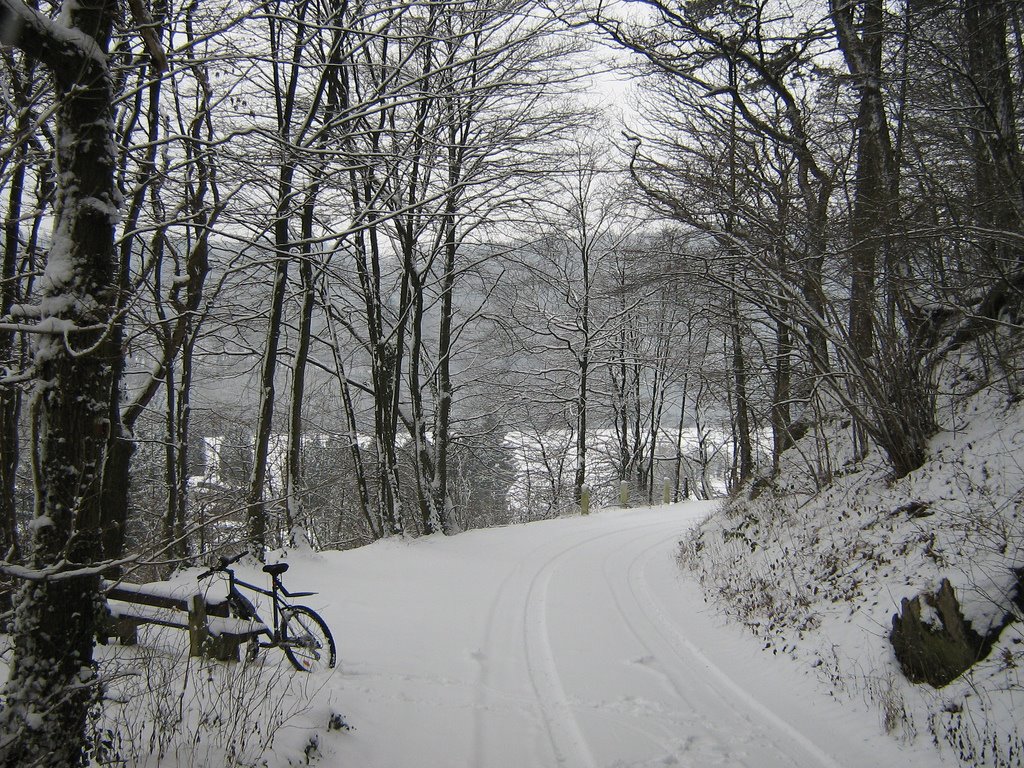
{"points": [[574, 642]]}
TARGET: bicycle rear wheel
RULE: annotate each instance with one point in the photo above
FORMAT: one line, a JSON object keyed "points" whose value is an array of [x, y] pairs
{"points": [[307, 641]]}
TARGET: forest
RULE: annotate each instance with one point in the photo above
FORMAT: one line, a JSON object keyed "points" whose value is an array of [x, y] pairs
{"points": [[333, 271]]}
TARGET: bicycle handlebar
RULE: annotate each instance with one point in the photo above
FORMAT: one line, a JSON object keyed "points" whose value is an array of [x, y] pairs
{"points": [[222, 565]]}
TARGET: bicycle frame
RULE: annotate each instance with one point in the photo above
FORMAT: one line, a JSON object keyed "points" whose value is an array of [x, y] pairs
{"points": [[311, 638], [277, 589]]}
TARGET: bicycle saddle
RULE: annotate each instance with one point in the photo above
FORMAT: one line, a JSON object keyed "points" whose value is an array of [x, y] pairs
{"points": [[275, 569]]}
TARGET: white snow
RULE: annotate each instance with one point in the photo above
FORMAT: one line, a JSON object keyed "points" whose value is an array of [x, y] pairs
{"points": [[819, 575], [569, 642], [40, 522]]}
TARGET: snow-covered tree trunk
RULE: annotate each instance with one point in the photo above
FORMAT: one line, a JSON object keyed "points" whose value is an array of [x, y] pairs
{"points": [[121, 442], [457, 146], [23, 79], [52, 681]]}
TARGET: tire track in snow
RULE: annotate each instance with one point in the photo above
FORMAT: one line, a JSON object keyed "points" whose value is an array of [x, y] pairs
{"points": [[738, 699], [561, 721], [563, 727], [719, 712], [523, 612], [489, 651], [613, 573], [529, 604]]}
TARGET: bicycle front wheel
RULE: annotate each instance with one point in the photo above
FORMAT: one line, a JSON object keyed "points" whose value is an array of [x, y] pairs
{"points": [[307, 641]]}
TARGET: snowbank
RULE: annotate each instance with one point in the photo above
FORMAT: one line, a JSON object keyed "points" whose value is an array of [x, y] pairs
{"points": [[818, 575]]}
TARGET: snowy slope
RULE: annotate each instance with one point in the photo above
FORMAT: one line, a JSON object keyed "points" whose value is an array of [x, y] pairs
{"points": [[818, 574], [571, 642]]}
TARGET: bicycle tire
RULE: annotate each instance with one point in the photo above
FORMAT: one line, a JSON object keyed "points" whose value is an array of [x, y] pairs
{"points": [[307, 641], [240, 607]]}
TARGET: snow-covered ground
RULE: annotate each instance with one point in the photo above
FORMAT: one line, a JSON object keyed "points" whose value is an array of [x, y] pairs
{"points": [[569, 642], [817, 574]]}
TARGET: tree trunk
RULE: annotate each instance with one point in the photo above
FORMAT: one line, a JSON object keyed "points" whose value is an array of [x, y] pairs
{"points": [[256, 513], [10, 396], [171, 467], [384, 359], [999, 183], [659, 387], [583, 384], [178, 533], [52, 678], [744, 460], [781, 415], [680, 490], [861, 44], [352, 428], [430, 515], [444, 390], [293, 478], [285, 101], [121, 442], [620, 399]]}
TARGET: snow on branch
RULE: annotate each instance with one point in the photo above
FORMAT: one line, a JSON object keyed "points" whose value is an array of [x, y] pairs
{"points": [[62, 569], [51, 326], [47, 39]]}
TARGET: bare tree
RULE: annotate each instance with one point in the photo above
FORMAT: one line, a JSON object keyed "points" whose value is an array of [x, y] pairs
{"points": [[728, 100], [739, 80], [52, 681], [456, 101], [28, 158]]}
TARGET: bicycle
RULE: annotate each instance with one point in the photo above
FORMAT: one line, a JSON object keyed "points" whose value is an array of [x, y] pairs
{"points": [[297, 629]]}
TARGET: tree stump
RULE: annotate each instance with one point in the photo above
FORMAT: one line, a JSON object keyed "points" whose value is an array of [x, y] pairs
{"points": [[938, 649]]}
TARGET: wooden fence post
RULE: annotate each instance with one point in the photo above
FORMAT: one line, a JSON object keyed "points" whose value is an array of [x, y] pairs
{"points": [[666, 491], [198, 633], [585, 500], [201, 642], [624, 493]]}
